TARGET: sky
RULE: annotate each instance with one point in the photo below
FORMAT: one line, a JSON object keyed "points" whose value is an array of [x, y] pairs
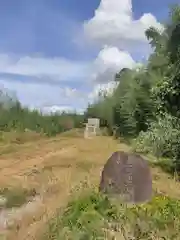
{"points": [[57, 55]]}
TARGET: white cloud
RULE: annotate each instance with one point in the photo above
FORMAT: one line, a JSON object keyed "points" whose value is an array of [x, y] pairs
{"points": [[59, 69], [117, 32], [106, 88], [60, 109], [37, 94], [109, 61], [44, 96], [119, 35], [113, 24], [55, 109]]}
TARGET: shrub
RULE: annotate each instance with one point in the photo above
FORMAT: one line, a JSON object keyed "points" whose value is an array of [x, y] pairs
{"points": [[162, 139], [16, 197], [93, 216]]}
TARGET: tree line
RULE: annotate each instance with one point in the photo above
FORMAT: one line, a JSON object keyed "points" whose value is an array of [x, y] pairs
{"points": [[13, 116]]}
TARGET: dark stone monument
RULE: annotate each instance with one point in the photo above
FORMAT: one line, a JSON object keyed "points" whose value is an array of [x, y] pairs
{"points": [[127, 175]]}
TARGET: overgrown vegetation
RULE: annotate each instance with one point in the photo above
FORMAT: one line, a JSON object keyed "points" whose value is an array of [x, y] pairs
{"points": [[14, 117], [146, 102], [93, 216], [16, 197]]}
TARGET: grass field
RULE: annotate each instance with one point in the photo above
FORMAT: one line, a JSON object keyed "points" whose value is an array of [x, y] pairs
{"points": [[63, 173]]}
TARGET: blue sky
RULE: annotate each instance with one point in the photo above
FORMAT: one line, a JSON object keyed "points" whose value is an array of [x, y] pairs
{"points": [[58, 54]]}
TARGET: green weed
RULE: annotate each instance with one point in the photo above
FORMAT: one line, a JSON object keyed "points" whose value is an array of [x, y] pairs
{"points": [[92, 216]]}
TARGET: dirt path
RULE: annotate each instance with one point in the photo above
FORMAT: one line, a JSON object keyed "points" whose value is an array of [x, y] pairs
{"points": [[53, 167]]}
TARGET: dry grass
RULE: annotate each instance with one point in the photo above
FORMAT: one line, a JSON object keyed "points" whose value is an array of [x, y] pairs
{"points": [[53, 167]]}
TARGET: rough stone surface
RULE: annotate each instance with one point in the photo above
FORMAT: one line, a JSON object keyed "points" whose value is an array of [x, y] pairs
{"points": [[127, 175]]}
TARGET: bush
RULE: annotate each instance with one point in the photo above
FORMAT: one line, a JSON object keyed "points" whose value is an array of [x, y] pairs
{"points": [[162, 138], [93, 216], [16, 197], [83, 218]]}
